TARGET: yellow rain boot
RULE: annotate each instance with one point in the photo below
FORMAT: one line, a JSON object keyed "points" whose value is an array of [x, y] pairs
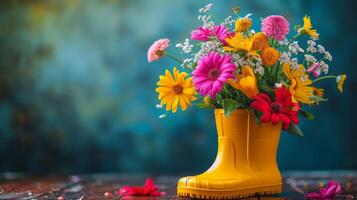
{"points": [[245, 164]]}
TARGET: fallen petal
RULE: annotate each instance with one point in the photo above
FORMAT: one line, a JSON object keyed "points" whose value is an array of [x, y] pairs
{"points": [[330, 191]]}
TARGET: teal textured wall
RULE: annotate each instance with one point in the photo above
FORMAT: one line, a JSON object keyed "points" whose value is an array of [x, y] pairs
{"points": [[77, 94]]}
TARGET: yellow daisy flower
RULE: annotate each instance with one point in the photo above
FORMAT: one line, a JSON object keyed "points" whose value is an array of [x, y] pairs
{"points": [[245, 82], [340, 81], [176, 90], [239, 43], [243, 24], [300, 88], [318, 91], [307, 28]]}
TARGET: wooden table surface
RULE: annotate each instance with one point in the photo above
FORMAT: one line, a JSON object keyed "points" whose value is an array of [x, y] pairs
{"points": [[94, 186]]}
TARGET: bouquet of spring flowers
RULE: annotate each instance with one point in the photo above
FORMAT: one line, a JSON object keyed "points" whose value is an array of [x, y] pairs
{"points": [[228, 65]]}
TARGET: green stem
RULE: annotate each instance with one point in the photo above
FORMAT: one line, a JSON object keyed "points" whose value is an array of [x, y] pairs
{"points": [[277, 69], [291, 40], [323, 77], [229, 95], [172, 57]]}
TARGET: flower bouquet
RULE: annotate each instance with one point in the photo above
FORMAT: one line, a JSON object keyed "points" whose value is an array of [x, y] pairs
{"points": [[257, 82]]}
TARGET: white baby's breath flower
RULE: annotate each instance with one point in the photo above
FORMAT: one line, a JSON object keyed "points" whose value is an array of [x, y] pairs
{"points": [[294, 48], [294, 63], [310, 58], [198, 56], [235, 59], [285, 57], [311, 43], [158, 106], [283, 42], [188, 63], [321, 49], [248, 15], [206, 9], [162, 116], [228, 21], [243, 62], [328, 56], [206, 21], [259, 70], [311, 49], [206, 47], [278, 85], [324, 67], [186, 47]]}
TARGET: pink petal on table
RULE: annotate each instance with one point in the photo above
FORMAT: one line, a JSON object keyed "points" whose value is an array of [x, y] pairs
{"points": [[149, 189], [330, 191]]}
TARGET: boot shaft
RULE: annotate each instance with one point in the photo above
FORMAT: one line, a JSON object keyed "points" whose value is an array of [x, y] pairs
{"points": [[255, 145]]}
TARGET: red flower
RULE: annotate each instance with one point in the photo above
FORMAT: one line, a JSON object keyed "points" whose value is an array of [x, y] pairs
{"points": [[282, 109], [149, 189]]}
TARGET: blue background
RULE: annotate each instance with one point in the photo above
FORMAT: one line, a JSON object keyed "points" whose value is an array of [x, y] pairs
{"points": [[77, 94]]}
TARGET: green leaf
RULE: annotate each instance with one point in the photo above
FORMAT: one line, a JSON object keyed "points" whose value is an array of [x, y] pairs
{"points": [[229, 105], [295, 130], [203, 105], [257, 120], [308, 115], [296, 27]]}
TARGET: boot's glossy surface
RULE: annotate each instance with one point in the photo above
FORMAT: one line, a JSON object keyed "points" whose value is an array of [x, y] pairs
{"points": [[245, 164]]}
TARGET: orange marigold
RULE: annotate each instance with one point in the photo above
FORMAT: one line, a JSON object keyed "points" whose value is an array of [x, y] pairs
{"points": [[260, 41], [243, 24], [270, 56]]}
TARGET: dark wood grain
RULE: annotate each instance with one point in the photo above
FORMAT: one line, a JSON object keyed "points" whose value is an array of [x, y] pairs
{"points": [[94, 186]]}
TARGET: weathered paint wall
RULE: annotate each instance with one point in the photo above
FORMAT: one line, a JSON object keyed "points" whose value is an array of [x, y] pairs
{"points": [[77, 94]]}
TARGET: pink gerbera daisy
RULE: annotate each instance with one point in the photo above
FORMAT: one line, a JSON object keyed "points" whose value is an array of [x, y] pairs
{"points": [[212, 72], [275, 26], [157, 49], [204, 34]]}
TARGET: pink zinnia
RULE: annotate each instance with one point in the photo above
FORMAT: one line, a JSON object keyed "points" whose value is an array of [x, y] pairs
{"points": [[204, 34], [275, 26], [212, 72], [156, 51]]}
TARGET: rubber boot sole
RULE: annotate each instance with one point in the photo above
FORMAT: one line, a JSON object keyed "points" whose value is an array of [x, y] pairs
{"points": [[228, 194]]}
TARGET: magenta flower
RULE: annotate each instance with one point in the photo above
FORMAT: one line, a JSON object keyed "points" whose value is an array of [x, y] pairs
{"points": [[201, 34], [275, 26], [315, 69], [204, 34], [329, 192], [157, 49], [212, 72], [221, 32]]}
